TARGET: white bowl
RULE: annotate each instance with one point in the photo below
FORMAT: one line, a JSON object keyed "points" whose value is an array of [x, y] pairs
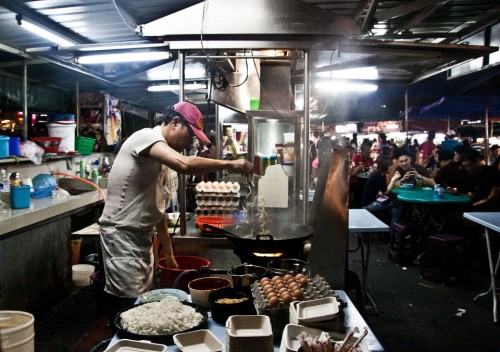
{"points": [[201, 288]]}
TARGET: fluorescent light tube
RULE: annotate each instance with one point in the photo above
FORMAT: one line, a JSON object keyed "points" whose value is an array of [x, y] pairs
{"points": [[45, 33], [352, 73], [123, 57], [339, 86], [174, 87]]}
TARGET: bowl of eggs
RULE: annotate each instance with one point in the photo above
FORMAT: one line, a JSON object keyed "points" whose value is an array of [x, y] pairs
{"points": [[280, 291]]}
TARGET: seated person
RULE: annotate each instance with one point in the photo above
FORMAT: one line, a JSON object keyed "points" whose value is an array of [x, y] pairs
{"points": [[483, 183], [452, 174], [408, 172], [376, 188], [361, 162]]}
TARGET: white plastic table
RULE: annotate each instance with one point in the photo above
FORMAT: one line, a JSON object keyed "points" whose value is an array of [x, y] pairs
{"points": [[490, 221], [362, 221]]}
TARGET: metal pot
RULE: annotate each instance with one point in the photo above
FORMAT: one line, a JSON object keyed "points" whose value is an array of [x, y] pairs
{"points": [[245, 274], [285, 266]]}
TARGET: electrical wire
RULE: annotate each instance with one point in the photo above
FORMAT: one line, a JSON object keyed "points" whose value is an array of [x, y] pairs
{"points": [[123, 18]]}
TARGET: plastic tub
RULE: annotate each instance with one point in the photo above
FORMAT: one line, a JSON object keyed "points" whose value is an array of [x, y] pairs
{"points": [[85, 145], [20, 197], [81, 274], [202, 287], [17, 331], [66, 131], [4, 147], [14, 144], [186, 263]]}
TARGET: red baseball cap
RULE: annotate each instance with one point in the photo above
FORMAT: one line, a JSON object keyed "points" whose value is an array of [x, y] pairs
{"points": [[194, 117]]}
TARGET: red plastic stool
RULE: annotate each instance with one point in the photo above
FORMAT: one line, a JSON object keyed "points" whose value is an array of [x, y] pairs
{"points": [[404, 237], [443, 252]]}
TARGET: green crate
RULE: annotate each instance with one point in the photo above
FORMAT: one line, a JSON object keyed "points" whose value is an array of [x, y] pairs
{"points": [[85, 145]]}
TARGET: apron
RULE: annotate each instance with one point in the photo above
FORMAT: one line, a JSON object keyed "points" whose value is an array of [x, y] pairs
{"points": [[128, 253]]}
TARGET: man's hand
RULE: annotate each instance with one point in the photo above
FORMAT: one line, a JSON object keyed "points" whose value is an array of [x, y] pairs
{"points": [[171, 263]]}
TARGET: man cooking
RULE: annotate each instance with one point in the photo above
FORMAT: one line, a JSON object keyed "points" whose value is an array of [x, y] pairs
{"points": [[138, 191]]}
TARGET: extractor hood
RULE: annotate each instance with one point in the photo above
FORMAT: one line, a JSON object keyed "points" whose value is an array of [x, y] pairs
{"points": [[254, 24]]}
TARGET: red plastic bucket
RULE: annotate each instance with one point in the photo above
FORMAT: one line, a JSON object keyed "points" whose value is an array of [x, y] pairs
{"points": [[167, 276]]}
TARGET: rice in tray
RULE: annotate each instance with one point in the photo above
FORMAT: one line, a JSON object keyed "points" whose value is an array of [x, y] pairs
{"points": [[160, 318]]}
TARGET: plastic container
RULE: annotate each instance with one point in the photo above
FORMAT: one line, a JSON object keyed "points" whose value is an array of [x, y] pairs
{"points": [[85, 145], [186, 263], [81, 274], [66, 131], [49, 144], [17, 331], [14, 144], [43, 185], [20, 197], [199, 340], [4, 147]]}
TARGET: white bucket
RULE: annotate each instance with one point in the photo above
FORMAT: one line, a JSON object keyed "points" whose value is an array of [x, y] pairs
{"points": [[81, 274], [17, 331], [66, 131]]}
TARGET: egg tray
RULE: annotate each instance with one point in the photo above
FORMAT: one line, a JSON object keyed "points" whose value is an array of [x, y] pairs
{"points": [[218, 199], [218, 187], [215, 210], [280, 316]]}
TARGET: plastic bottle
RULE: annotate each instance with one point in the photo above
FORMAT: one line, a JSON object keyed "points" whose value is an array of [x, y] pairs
{"points": [[83, 172], [5, 185], [94, 175]]}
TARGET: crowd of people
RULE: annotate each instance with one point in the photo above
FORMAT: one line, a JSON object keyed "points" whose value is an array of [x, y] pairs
{"points": [[377, 166]]}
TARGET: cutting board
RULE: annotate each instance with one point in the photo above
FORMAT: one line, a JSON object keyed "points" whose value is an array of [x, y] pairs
{"points": [[273, 187]]}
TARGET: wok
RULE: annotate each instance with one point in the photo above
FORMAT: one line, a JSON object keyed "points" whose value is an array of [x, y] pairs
{"points": [[274, 238]]}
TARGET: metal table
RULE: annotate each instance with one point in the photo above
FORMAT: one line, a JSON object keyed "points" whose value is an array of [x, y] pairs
{"points": [[352, 319], [361, 222], [490, 221]]}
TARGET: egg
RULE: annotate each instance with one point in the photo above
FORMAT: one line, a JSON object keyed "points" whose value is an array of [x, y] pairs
{"points": [[286, 299], [273, 302], [290, 280], [275, 278], [299, 276], [271, 295], [281, 290], [293, 286], [279, 285], [264, 281], [303, 282], [270, 289], [298, 294], [266, 286], [287, 277]]}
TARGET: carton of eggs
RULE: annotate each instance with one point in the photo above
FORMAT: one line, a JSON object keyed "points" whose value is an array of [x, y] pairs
{"points": [[217, 198]]}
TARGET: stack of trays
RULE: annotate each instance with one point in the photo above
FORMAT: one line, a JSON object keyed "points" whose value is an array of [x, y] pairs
{"points": [[249, 333], [317, 288], [320, 313]]}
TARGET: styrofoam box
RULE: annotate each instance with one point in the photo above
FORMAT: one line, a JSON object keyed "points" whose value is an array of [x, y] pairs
{"points": [[248, 325], [289, 341], [198, 341], [317, 310], [126, 345]]}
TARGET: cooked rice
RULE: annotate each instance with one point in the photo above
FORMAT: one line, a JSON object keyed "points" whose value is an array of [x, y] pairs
{"points": [[160, 318]]}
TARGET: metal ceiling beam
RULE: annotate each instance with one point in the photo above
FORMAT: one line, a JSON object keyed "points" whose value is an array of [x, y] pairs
{"points": [[422, 15], [405, 9], [11, 50], [414, 35], [368, 21], [360, 9]]}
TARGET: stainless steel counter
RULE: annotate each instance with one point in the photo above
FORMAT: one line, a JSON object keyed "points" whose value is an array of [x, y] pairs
{"points": [[45, 208]]}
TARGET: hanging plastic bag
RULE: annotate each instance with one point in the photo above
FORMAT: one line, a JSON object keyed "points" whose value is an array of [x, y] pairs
{"points": [[32, 151]]}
